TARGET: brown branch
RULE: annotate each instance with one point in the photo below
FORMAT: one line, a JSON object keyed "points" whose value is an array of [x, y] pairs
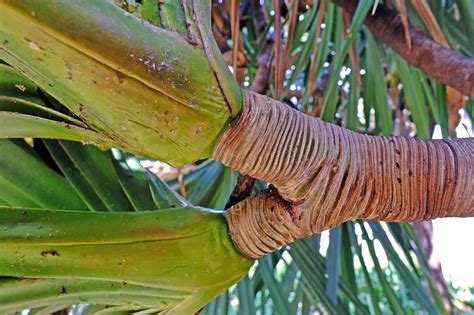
{"points": [[423, 9], [278, 50], [312, 67], [235, 30], [406, 24], [448, 66], [327, 175], [260, 83], [293, 16]]}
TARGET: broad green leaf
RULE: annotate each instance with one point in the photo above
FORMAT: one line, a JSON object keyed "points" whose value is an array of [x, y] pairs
{"points": [[23, 113], [74, 176], [184, 255], [134, 182], [149, 11], [97, 169], [17, 125], [212, 186], [14, 85], [142, 88], [163, 196], [172, 260], [26, 181]]}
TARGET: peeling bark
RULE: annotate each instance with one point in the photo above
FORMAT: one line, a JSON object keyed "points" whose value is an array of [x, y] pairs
{"points": [[448, 66], [326, 175]]}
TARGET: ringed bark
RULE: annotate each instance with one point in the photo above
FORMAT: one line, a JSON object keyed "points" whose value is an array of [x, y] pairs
{"points": [[324, 175]]}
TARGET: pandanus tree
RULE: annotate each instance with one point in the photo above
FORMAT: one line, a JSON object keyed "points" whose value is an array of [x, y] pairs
{"points": [[148, 78]]}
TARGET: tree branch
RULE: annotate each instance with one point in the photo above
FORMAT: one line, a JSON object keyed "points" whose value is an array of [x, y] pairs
{"points": [[260, 83], [327, 175], [448, 66]]}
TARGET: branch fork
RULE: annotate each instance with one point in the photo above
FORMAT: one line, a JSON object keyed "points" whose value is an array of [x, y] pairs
{"points": [[324, 175]]}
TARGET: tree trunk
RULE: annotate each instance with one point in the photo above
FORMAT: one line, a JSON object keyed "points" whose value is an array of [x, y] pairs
{"points": [[324, 175], [446, 65]]}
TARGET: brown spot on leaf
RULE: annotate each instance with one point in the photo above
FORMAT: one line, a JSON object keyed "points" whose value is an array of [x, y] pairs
{"points": [[33, 45], [21, 87], [119, 77], [49, 253], [198, 130]]}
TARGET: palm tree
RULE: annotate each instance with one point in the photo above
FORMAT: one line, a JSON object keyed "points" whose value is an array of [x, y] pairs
{"points": [[148, 78]]}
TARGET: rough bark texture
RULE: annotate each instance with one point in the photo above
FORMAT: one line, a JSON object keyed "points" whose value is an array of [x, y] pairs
{"points": [[327, 175], [448, 66], [262, 224]]}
